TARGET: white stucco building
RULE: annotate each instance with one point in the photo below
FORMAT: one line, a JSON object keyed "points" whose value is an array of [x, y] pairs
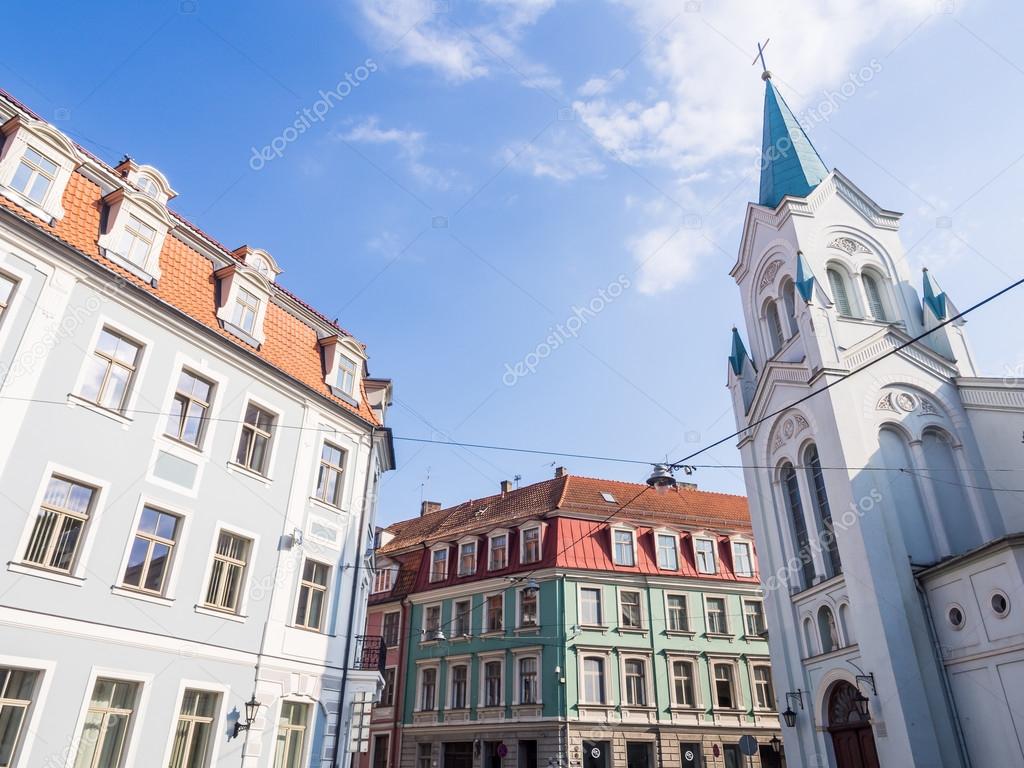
{"points": [[890, 550], [189, 459]]}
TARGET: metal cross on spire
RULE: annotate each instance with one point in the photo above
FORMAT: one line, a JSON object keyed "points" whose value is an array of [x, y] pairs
{"points": [[765, 74]]}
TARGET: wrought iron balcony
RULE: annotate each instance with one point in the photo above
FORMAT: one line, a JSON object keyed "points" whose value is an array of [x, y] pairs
{"points": [[371, 653]]}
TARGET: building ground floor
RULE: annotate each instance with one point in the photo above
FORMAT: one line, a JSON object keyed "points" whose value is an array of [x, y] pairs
{"points": [[574, 745], [78, 693]]}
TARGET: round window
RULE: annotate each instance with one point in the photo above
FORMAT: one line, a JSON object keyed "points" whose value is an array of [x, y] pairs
{"points": [[956, 617], [1000, 604]]}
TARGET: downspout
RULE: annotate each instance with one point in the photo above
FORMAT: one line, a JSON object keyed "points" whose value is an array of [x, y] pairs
{"points": [[398, 712], [563, 699], [352, 605], [933, 635]]}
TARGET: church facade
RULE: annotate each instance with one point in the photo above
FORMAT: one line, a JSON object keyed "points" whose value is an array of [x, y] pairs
{"points": [[890, 550]]}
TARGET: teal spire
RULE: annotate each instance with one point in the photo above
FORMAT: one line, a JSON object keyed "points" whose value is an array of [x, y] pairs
{"points": [[790, 165], [934, 297], [739, 353], [804, 277]]}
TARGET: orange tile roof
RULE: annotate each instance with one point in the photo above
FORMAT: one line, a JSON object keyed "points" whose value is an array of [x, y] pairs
{"points": [[187, 284]]}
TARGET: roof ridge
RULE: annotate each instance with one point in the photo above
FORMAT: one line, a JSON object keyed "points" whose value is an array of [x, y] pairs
{"points": [[689, 490]]}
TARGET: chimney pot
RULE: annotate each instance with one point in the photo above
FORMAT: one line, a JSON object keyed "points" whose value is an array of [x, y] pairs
{"points": [[561, 471], [506, 487], [429, 506]]}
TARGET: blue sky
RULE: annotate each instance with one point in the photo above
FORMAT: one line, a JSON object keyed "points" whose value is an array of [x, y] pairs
{"points": [[501, 168]]}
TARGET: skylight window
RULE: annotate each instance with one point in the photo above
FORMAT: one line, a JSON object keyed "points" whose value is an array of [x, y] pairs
{"points": [[608, 497]]}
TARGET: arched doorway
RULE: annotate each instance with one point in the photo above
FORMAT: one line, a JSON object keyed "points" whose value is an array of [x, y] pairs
{"points": [[852, 739]]}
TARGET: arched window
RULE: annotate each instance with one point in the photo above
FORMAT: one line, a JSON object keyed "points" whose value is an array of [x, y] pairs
{"points": [[812, 647], [902, 496], [776, 338], [789, 304], [844, 623], [791, 491], [957, 517], [816, 480], [840, 292], [873, 291], [827, 629]]}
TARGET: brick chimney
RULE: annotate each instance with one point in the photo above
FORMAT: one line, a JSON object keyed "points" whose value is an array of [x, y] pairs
{"points": [[506, 487], [561, 472], [429, 506]]}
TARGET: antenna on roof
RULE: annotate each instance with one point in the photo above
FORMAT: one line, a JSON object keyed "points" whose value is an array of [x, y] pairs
{"points": [[517, 478]]}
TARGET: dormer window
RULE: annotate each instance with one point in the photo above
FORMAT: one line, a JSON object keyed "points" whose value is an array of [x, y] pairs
{"points": [[742, 563], [439, 564], [35, 176], [704, 552], [36, 163], [623, 547], [529, 545], [383, 579], [148, 186], [247, 308], [137, 241], [343, 366], [668, 551], [498, 557], [347, 374], [136, 226], [467, 557]]}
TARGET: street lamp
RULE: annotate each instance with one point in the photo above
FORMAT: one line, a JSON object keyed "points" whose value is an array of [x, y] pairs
{"points": [[789, 715], [662, 480], [862, 701], [776, 744], [252, 707]]}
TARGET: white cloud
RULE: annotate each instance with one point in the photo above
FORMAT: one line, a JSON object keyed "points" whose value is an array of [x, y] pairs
{"points": [[560, 156], [410, 145], [667, 256], [431, 33]]}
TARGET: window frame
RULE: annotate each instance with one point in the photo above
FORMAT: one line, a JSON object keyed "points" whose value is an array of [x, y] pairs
{"points": [[756, 686], [520, 598], [484, 659], [383, 577], [497, 534], [600, 605], [388, 688], [22, 132], [746, 616], [324, 466], [713, 541], [461, 662], [421, 671], [659, 534], [458, 616], [144, 684], [870, 273], [308, 729], [523, 531], [222, 692], [725, 616], [775, 335], [740, 541], [641, 625], [488, 628], [168, 587], [645, 681], [241, 611], [36, 171], [88, 526], [852, 310], [189, 401], [136, 369], [5, 304], [311, 586], [669, 629], [518, 657], [264, 472], [615, 546], [31, 721], [602, 658], [463, 543], [384, 628], [373, 748], [426, 632], [714, 662], [432, 574], [693, 663]]}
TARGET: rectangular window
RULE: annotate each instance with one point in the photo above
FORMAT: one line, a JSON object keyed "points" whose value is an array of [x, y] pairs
{"points": [[312, 604], [381, 744], [110, 370], [149, 561], [291, 734], [705, 549], [528, 680], [467, 558], [763, 691], [328, 479], [636, 683], [424, 755], [682, 683], [108, 724], [428, 689], [347, 375], [391, 628], [34, 176], [193, 735], [624, 554], [593, 680], [528, 607], [753, 617], [463, 612], [189, 408], [17, 687], [495, 613], [254, 442], [59, 528], [531, 545], [629, 601], [383, 578], [7, 286], [439, 564], [247, 307], [724, 691], [492, 684], [460, 680], [716, 616], [227, 574], [590, 607], [668, 552], [431, 621], [678, 618], [499, 552], [387, 696], [741, 562], [137, 241]]}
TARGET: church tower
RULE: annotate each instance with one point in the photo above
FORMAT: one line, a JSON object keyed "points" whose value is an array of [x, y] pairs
{"points": [[864, 457]]}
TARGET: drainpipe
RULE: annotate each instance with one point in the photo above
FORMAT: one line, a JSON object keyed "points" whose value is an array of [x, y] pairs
{"points": [[352, 606], [933, 635], [398, 708], [562, 700]]}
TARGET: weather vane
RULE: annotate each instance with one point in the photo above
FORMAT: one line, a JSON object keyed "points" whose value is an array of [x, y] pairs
{"points": [[765, 74]]}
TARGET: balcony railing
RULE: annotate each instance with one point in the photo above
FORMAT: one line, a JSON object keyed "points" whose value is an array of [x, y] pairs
{"points": [[371, 653]]}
